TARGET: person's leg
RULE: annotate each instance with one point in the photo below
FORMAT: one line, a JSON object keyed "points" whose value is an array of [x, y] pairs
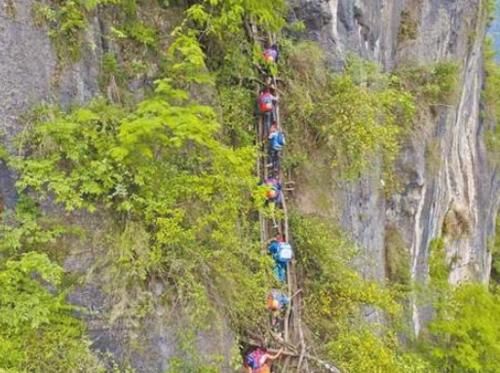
{"points": [[277, 271], [275, 162], [267, 124], [281, 271], [270, 155]]}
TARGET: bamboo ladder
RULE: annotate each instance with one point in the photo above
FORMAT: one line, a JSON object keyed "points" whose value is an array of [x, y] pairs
{"points": [[293, 333]]}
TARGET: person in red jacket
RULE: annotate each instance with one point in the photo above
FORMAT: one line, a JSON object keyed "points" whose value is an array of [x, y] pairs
{"points": [[267, 108]]}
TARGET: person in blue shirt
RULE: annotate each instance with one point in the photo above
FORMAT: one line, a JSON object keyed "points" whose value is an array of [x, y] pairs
{"points": [[276, 143], [282, 253]]}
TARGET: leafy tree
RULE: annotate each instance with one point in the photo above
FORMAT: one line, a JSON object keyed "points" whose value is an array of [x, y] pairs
{"points": [[161, 168], [353, 118], [38, 332], [465, 336], [336, 297]]}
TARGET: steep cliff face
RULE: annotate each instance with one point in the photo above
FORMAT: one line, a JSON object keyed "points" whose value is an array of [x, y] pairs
{"points": [[455, 186], [30, 75]]}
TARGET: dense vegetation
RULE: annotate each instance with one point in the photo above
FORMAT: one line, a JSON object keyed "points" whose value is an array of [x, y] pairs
{"points": [[491, 110], [170, 180]]}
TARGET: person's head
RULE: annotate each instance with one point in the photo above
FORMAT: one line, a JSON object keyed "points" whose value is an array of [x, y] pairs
{"points": [[275, 305], [272, 194], [274, 46]]}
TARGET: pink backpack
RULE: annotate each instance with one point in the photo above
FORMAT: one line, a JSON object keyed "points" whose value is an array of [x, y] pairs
{"points": [[253, 359]]}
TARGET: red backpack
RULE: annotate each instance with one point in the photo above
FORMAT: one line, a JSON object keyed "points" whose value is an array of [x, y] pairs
{"points": [[265, 102]]}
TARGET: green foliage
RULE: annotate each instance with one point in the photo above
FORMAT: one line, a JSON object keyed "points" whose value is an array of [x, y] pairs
{"points": [[491, 100], [397, 257], [336, 297], [180, 197], [238, 106], [184, 196], [489, 10], [187, 60], [353, 117], [494, 247], [430, 85], [38, 332], [438, 266], [25, 229], [67, 21], [408, 27], [334, 291], [465, 336], [226, 17], [361, 124], [363, 350], [142, 33]]}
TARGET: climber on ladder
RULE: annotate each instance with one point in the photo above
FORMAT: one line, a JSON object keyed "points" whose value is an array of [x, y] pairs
{"points": [[267, 108], [259, 360], [276, 304], [282, 254], [276, 143], [274, 197], [271, 53], [273, 193]]}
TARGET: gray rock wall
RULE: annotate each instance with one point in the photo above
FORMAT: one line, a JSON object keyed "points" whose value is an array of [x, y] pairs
{"points": [[396, 32], [29, 75]]}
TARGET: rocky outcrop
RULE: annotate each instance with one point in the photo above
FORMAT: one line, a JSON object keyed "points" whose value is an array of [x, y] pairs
{"points": [[457, 182]]}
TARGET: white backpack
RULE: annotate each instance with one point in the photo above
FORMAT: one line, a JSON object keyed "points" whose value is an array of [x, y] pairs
{"points": [[286, 253]]}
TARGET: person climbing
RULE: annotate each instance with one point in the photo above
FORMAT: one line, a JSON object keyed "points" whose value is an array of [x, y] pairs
{"points": [[259, 360], [271, 53], [273, 192], [276, 143], [273, 197], [276, 304], [282, 254], [267, 108]]}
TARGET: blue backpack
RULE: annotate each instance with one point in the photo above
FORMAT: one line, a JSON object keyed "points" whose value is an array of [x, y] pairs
{"points": [[278, 141], [281, 138], [273, 247]]}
